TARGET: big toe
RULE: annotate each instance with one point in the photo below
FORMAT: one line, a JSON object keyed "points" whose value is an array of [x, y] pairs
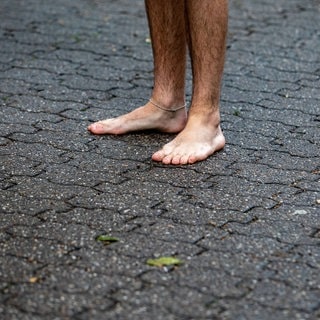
{"points": [[93, 127], [96, 128], [158, 156]]}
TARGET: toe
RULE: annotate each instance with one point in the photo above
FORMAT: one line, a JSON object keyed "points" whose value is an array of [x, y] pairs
{"points": [[167, 159], [176, 159], [96, 128], [158, 156], [193, 159], [92, 127], [184, 159]]}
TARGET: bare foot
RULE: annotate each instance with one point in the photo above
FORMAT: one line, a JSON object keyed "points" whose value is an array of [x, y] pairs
{"points": [[199, 139], [143, 118]]}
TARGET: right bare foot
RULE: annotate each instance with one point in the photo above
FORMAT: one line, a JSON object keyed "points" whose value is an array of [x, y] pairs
{"points": [[201, 137], [143, 118]]}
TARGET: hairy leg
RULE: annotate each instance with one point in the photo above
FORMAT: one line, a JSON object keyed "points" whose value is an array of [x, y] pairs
{"points": [[167, 29], [202, 135]]}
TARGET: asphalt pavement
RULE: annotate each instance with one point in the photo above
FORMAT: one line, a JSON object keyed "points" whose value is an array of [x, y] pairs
{"points": [[81, 215]]}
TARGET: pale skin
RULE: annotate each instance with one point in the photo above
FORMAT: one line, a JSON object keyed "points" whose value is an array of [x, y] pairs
{"points": [[200, 25]]}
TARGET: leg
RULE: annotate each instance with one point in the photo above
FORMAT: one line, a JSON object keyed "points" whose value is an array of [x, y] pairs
{"points": [[167, 29], [202, 136]]}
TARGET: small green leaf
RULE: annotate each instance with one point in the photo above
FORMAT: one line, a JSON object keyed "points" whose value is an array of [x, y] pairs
{"points": [[164, 261], [236, 113], [76, 38], [106, 239]]}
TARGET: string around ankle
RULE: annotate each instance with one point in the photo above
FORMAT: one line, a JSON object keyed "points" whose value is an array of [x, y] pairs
{"points": [[165, 109]]}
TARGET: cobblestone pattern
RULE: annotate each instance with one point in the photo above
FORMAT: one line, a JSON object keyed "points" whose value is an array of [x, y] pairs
{"points": [[246, 222]]}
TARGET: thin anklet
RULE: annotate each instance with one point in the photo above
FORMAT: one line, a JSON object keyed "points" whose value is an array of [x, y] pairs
{"points": [[165, 109]]}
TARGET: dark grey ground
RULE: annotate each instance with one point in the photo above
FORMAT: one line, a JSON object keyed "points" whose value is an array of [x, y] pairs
{"points": [[246, 222]]}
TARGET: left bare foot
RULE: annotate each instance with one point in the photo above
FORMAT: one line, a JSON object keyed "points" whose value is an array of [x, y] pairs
{"points": [[142, 118], [201, 137]]}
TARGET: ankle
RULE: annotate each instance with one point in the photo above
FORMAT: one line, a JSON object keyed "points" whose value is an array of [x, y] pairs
{"points": [[172, 108], [168, 99], [210, 116]]}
